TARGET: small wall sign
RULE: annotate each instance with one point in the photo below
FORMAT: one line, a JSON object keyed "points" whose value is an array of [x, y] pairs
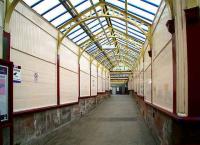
{"points": [[36, 76], [17, 74]]}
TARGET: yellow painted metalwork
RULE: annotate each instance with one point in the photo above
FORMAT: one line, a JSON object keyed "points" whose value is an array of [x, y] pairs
{"points": [[116, 35], [103, 15], [126, 63], [170, 6], [89, 43], [126, 57], [192, 3], [10, 6], [110, 53], [111, 13], [80, 53]]}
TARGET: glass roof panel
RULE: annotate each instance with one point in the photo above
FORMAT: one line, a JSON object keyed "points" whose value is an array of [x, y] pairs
{"points": [[45, 5], [96, 27], [76, 2], [55, 12], [93, 23], [82, 40], [136, 36], [139, 4], [58, 12], [61, 19], [117, 3], [119, 29], [155, 3], [79, 37], [140, 13], [76, 33], [83, 6], [31, 2], [74, 30], [97, 31]]}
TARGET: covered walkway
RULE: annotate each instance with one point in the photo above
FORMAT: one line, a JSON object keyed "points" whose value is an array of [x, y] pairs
{"points": [[114, 122], [71, 72]]}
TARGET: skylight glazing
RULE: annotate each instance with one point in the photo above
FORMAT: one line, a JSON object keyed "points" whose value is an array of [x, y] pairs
{"points": [[111, 37]]}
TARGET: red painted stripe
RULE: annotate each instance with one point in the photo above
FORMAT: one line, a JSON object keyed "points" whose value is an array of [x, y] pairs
{"points": [[90, 80], [58, 79], [79, 88], [87, 97], [174, 71]]}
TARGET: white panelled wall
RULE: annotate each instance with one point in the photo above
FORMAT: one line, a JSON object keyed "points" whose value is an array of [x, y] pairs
{"points": [[35, 50], [85, 75], [153, 77]]}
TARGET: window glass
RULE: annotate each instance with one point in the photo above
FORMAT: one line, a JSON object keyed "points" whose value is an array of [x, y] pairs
{"points": [[82, 40], [76, 2], [55, 12], [31, 2], [79, 37], [83, 6], [61, 19], [76, 33], [45, 5]]}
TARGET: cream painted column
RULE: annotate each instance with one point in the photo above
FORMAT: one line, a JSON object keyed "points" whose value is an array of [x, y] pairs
{"points": [[2, 12], [181, 58]]}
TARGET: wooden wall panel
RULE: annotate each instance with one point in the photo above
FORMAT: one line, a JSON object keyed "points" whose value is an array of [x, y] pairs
{"points": [[85, 64], [35, 52], [35, 19], [100, 84], [163, 79], [93, 86], [33, 40], [147, 59], [130, 87], [162, 33], [84, 84], [94, 70], [68, 86], [103, 85], [134, 81], [107, 84], [68, 59], [162, 7], [34, 92], [147, 84], [100, 71], [70, 45], [141, 91]]}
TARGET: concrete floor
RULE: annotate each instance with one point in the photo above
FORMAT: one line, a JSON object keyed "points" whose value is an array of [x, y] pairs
{"points": [[114, 122]]}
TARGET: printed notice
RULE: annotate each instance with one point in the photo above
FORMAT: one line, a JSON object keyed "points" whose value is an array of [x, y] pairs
{"points": [[17, 75], [3, 93], [2, 86]]}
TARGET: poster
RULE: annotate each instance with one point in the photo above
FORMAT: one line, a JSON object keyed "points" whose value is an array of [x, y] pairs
{"points": [[3, 93], [17, 74]]}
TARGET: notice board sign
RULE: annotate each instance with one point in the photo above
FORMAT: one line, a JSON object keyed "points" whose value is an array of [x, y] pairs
{"points": [[3, 93], [17, 74]]}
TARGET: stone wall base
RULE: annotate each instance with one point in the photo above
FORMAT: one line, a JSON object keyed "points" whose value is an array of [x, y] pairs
{"points": [[29, 127], [166, 129]]}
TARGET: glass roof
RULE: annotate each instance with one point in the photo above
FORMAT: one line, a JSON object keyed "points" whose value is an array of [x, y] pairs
{"points": [[110, 28]]}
